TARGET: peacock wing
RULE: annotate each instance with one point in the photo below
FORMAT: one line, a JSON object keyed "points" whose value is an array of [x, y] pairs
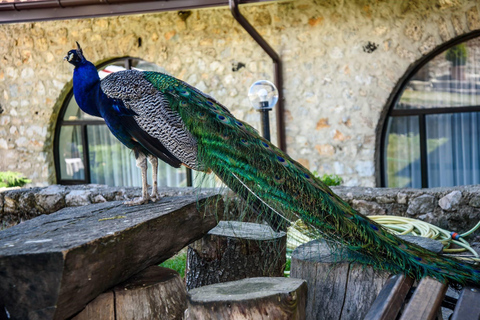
{"points": [[155, 125]]}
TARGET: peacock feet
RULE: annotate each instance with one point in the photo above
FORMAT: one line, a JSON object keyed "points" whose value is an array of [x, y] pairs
{"points": [[138, 201], [154, 197]]}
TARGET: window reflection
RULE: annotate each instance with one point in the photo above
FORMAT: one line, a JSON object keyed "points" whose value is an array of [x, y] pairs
{"points": [[435, 125]]}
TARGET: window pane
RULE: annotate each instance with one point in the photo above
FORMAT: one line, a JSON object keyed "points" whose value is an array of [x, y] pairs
{"points": [[73, 112], [403, 153], [451, 79], [453, 149], [71, 153], [113, 164]]}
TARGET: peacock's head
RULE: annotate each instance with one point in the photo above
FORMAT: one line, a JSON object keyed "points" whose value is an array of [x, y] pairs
{"points": [[75, 56]]}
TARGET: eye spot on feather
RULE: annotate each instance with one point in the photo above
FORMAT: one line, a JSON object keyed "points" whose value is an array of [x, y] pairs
{"points": [[225, 136], [374, 227], [202, 115], [282, 161], [418, 258], [278, 179], [239, 123], [184, 93], [265, 144], [244, 141], [306, 176], [211, 105], [222, 118], [183, 103]]}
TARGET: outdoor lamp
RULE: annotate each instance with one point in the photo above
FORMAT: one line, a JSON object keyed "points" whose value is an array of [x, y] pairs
{"points": [[263, 96]]}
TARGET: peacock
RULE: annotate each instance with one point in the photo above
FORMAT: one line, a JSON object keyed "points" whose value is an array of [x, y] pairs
{"points": [[159, 116]]}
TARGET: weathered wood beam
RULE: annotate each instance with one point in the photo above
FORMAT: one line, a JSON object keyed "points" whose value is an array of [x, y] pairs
{"points": [[53, 265]]}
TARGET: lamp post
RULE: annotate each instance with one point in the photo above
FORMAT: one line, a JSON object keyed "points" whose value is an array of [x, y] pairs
{"points": [[263, 96]]}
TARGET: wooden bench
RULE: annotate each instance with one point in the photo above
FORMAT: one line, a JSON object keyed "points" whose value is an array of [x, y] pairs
{"points": [[425, 302], [53, 265], [341, 289]]}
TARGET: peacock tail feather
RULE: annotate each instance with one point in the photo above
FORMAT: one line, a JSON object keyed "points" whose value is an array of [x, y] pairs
{"points": [[276, 185]]}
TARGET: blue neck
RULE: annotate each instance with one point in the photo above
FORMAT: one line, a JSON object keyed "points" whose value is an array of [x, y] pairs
{"points": [[86, 87]]}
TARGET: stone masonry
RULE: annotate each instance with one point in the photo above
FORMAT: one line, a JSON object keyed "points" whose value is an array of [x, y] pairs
{"points": [[342, 59], [456, 209]]}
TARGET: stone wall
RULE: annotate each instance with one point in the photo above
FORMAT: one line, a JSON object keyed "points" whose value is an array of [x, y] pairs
{"points": [[456, 209], [342, 60]]}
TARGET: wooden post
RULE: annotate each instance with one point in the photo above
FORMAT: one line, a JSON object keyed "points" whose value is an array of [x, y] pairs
{"points": [[155, 293], [235, 250], [249, 299], [339, 289]]}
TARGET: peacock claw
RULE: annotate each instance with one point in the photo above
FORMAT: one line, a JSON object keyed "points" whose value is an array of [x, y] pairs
{"points": [[137, 201]]}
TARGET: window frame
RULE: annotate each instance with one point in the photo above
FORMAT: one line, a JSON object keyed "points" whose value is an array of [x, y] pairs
{"points": [[396, 94]]}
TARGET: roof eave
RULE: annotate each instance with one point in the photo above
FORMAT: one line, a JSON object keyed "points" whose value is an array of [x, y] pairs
{"points": [[74, 9]]}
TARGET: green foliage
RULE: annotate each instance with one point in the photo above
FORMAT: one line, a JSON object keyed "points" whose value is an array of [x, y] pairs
{"points": [[176, 263], [329, 179], [287, 267], [457, 55], [10, 179]]}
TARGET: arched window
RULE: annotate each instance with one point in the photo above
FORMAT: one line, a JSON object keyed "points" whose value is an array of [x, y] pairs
{"points": [[432, 133], [86, 151]]}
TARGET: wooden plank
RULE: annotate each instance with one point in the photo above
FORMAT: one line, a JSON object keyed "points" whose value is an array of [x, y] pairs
{"points": [[253, 298], [53, 265], [101, 308], [390, 299], [468, 305], [426, 300]]}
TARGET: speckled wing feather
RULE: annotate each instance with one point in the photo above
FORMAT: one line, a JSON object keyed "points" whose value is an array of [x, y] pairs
{"points": [[153, 115], [278, 185]]}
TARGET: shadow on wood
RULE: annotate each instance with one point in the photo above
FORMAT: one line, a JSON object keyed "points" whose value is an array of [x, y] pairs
{"points": [[235, 250], [51, 266], [249, 299]]}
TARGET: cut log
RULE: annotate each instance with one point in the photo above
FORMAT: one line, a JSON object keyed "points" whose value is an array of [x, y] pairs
{"points": [[235, 250], [157, 293], [338, 288], [101, 308], [154, 294], [249, 299], [51, 266]]}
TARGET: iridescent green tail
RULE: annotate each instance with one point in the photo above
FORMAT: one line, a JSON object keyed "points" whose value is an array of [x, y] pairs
{"points": [[276, 185]]}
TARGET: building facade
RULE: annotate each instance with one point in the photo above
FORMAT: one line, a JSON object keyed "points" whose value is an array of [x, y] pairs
{"points": [[346, 65]]}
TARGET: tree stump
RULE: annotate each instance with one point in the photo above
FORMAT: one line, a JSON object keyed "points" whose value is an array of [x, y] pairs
{"points": [[155, 293], [338, 288], [235, 250], [53, 265], [249, 299]]}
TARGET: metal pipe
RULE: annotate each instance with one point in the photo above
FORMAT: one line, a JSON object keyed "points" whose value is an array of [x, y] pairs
{"points": [[277, 70], [265, 121]]}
